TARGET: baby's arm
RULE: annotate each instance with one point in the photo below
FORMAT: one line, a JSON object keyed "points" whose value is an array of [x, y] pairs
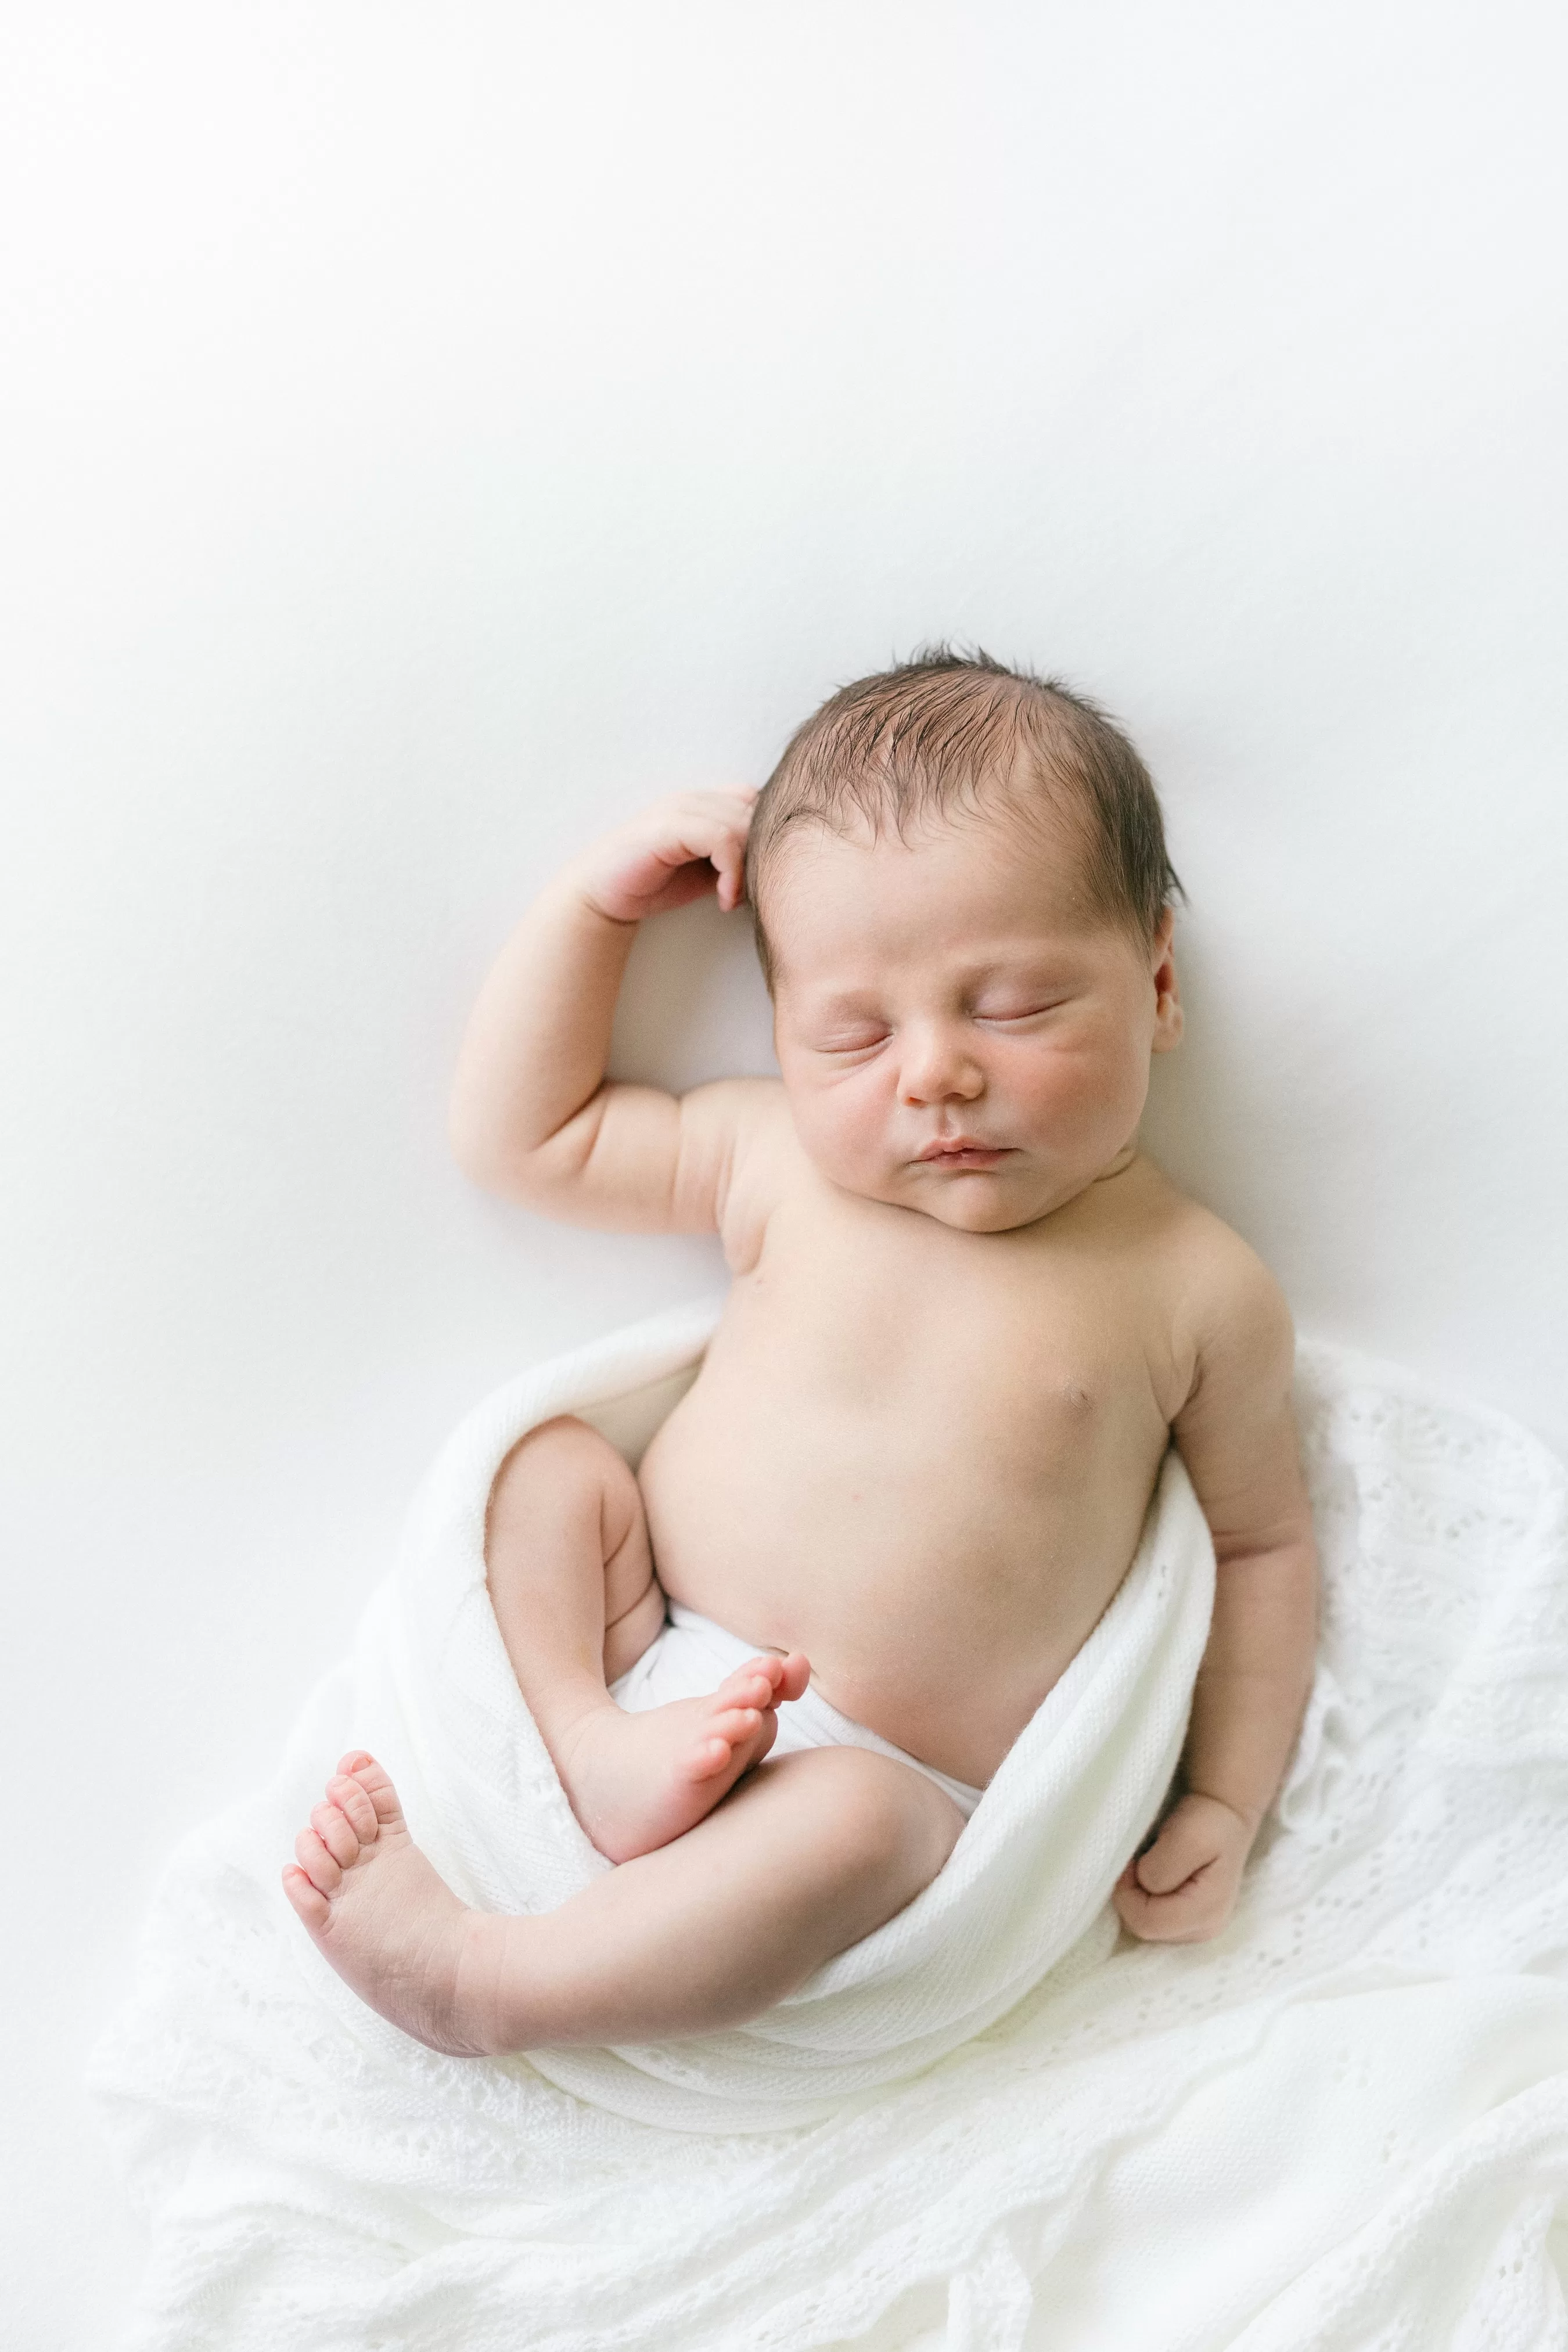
{"points": [[533, 1114], [1237, 1434]]}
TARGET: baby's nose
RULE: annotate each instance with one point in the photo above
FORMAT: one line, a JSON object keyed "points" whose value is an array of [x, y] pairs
{"points": [[939, 1067]]}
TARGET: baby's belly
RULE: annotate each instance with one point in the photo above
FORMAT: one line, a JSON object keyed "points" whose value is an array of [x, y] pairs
{"points": [[938, 1592]]}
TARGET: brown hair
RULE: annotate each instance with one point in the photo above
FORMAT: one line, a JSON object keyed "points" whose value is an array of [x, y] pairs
{"points": [[928, 737]]}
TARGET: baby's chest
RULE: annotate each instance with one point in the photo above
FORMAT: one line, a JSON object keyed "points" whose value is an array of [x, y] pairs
{"points": [[959, 1334]]}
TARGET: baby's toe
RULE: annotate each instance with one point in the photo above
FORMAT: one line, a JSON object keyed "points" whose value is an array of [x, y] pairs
{"points": [[734, 1724], [795, 1675], [317, 1863], [368, 1775], [754, 1684], [356, 1805], [735, 1727], [308, 1901], [336, 1833], [713, 1755]]}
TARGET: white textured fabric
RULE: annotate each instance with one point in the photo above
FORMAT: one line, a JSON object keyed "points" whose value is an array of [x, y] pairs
{"points": [[691, 1656], [1341, 2127]]}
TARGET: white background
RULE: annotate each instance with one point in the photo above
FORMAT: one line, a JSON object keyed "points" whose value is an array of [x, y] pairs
{"points": [[428, 431]]}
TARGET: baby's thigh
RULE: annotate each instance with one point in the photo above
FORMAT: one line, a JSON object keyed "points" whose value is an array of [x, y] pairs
{"points": [[856, 1833]]}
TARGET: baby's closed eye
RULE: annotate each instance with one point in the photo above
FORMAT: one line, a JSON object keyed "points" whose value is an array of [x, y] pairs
{"points": [[1000, 1016], [863, 1037]]}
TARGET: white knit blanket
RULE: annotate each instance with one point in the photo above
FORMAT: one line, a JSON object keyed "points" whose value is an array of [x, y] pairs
{"points": [[989, 2126]]}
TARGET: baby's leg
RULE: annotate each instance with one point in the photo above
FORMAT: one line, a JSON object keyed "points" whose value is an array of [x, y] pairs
{"points": [[810, 1854], [572, 1583]]}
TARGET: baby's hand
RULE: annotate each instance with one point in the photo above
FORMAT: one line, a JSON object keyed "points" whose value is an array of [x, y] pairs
{"points": [[1183, 1890], [676, 851]]}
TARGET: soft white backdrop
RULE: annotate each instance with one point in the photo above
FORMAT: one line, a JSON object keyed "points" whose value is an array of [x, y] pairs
{"points": [[430, 431]]}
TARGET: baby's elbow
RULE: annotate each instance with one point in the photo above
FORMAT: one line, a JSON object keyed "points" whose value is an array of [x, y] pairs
{"points": [[548, 1176], [486, 1158]]}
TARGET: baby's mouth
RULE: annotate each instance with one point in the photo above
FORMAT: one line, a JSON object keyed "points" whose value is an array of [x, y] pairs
{"points": [[963, 1152]]}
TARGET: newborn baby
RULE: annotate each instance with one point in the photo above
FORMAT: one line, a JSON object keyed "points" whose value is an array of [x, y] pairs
{"points": [[967, 1318]]}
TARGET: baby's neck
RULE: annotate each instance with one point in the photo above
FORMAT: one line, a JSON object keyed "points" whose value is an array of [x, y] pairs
{"points": [[1123, 1161], [1116, 1166]]}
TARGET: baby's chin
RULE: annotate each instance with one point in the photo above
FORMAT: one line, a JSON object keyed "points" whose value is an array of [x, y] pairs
{"points": [[972, 1200], [970, 1206]]}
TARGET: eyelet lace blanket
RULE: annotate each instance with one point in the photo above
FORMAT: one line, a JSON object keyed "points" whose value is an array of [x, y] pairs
{"points": [[993, 2125]]}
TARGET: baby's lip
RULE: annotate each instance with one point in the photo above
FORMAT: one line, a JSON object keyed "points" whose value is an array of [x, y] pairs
{"points": [[964, 1147]]}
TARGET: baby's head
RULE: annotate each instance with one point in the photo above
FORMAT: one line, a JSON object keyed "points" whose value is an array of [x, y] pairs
{"points": [[962, 903]]}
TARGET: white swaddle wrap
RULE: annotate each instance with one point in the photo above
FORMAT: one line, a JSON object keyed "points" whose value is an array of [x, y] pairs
{"points": [[1343, 2127]]}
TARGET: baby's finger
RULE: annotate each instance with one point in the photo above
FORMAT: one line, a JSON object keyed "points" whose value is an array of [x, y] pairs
{"points": [[728, 860], [723, 832], [1193, 1914], [711, 829], [1176, 1853], [730, 808]]}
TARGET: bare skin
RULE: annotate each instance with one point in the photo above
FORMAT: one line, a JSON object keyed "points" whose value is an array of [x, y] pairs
{"points": [[967, 1317], [810, 1854], [572, 1582]]}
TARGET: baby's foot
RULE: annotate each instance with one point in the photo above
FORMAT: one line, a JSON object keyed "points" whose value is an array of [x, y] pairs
{"points": [[638, 1781], [377, 1910]]}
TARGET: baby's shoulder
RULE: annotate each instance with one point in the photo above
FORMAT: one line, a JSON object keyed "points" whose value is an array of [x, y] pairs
{"points": [[760, 1139], [1226, 1306]]}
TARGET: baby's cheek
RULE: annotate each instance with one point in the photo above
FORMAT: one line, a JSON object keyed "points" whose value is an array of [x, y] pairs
{"points": [[1047, 1093], [843, 1129], [1066, 1092]]}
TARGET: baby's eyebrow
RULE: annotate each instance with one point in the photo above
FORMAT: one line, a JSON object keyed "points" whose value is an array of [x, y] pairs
{"points": [[845, 1004], [1032, 971]]}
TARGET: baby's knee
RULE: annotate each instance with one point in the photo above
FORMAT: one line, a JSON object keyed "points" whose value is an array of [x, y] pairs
{"points": [[560, 1461], [886, 1820]]}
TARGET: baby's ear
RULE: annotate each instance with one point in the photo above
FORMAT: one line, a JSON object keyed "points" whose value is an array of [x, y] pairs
{"points": [[1169, 1019]]}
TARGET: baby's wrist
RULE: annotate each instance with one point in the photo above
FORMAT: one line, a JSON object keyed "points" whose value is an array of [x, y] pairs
{"points": [[1248, 1818], [591, 890]]}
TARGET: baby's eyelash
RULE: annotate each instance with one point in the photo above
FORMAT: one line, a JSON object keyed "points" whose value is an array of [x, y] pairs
{"points": [[842, 1045], [858, 1044]]}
